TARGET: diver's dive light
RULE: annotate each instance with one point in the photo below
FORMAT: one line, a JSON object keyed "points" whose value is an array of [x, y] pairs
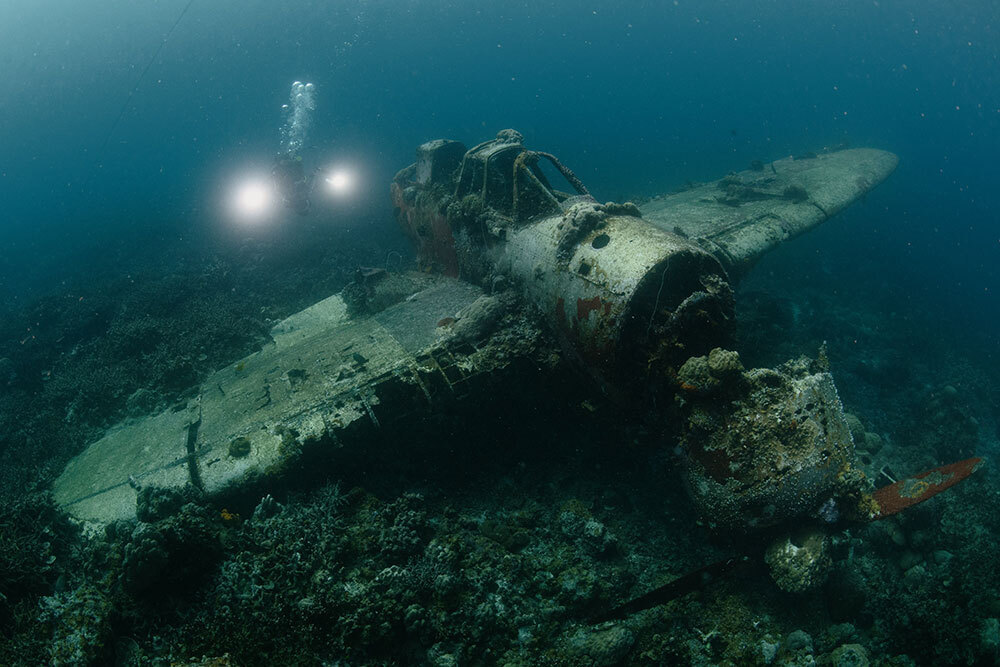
{"points": [[255, 199], [252, 200], [340, 182]]}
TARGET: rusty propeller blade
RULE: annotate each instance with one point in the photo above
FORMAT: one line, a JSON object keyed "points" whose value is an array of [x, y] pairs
{"points": [[890, 499], [692, 581], [918, 488]]}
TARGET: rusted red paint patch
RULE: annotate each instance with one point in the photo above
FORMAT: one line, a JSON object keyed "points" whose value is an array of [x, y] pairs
{"points": [[912, 490], [444, 244], [716, 463], [430, 232], [585, 306]]}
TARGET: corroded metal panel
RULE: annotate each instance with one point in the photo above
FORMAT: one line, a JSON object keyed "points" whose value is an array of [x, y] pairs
{"points": [[99, 485], [908, 492], [326, 380], [618, 282], [740, 217]]}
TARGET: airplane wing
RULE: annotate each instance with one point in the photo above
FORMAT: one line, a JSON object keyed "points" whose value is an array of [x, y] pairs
{"points": [[740, 217], [328, 380]]}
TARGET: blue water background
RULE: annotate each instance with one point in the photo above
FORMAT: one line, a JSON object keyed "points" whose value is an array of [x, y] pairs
{"points": [[637, 97]]}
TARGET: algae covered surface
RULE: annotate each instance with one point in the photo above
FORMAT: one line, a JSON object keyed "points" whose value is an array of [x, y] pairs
{"points": [[729, 475], [473, 541]]}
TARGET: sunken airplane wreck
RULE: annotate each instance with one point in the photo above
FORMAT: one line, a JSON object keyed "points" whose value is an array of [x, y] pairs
{"points": [[514, 275]]}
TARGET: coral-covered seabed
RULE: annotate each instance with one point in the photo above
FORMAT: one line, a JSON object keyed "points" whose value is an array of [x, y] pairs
{"points": [[494, 543]]}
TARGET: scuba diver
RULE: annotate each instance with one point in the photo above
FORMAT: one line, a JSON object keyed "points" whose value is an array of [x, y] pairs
{"points": [[288, 176], [291, 183]]}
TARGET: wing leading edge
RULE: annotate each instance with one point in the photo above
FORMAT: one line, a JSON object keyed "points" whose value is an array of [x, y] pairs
{"points": [[743, 215]]}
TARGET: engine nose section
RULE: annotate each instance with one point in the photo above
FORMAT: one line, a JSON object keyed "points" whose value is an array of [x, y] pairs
{"points": [[621, 293], [766, 446]]}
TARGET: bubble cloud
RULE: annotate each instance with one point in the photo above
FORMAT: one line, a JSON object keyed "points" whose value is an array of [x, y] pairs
{"points": [[298, 115]]}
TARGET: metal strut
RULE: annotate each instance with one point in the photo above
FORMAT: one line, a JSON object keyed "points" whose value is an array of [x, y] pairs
{"points": [[525, 160]]}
